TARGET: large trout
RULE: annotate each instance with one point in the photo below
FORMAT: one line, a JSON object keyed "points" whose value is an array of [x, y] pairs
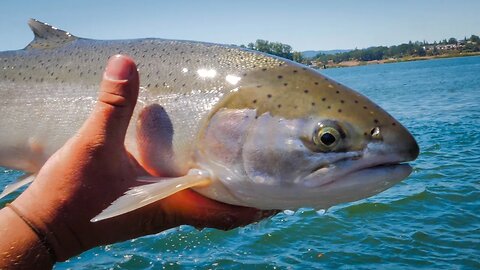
{"points": [[236, 125]]}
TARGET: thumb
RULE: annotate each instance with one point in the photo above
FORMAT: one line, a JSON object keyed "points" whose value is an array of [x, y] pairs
{"points": [[116, 101]]}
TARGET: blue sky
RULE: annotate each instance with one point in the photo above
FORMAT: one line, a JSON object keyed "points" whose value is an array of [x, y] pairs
{"points": [[305, 25]]}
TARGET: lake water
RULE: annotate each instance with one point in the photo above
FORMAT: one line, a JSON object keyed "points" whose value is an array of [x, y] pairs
{"points": [[431, 220]]}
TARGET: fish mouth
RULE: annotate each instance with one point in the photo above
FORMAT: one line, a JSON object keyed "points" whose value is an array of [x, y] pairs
{"points": [[387, 174], [360, 167]]}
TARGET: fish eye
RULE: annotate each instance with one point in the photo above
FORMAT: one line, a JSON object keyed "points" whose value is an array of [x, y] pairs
{"points": [[326, 138]]}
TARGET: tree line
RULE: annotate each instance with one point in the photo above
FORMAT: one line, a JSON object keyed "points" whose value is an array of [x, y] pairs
{"points": [[275, 48], [410, 49]]}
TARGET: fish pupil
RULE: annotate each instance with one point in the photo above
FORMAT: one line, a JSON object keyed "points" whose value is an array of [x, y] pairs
{"points": [[327, 139]]}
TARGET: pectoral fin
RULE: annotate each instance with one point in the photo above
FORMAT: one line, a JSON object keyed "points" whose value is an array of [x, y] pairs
{"points": [[140, 196], [22, 181]]}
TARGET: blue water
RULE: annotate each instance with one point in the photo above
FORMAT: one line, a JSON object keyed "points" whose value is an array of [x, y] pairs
{"points": [[431, 220]]}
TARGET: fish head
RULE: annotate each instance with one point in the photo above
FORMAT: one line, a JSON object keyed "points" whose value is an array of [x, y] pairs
{"points": [[289, 137]]}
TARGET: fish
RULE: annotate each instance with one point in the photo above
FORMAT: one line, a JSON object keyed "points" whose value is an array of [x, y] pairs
{"points": [[236, 125]]}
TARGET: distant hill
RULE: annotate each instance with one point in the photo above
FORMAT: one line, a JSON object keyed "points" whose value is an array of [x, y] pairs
{"points": [[311, 54]]}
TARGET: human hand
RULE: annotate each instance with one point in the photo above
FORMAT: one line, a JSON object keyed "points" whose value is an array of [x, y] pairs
{"points": [[93, 169]]}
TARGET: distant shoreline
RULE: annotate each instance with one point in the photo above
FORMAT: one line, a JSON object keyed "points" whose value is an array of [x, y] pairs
{"points": [[355, 63]]}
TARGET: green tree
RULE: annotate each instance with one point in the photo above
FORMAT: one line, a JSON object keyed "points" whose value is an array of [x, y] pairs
{"points": [[475, 39], [275, 48], [452, 41], [298, 57], [421, 51]]}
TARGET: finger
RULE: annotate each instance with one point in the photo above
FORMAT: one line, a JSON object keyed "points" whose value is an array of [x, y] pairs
{"points": [[116, 101]]}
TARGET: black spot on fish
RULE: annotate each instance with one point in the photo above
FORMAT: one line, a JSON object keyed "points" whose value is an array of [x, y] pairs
{"points": [[329, 107], [259, 86], [356, 101], [339, 110], [313, 103], [324, 99], [279, 105], [342, 101], [365, 107], [244, 74], [316, 83], [295, 107], [338, 92], [375, 121], [254, 101], [295, 71], [285, 84], [269, 95], [394, 124], [264, 69], [305, 91]]}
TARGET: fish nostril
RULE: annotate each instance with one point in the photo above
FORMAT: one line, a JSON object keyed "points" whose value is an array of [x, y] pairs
{"points": [[375, 133]]}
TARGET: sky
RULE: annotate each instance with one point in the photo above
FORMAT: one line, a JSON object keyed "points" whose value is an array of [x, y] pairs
{"points": [[305, 25]]}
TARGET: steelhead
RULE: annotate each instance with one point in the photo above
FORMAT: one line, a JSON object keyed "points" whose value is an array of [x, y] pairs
{"points": [[236, 125]]}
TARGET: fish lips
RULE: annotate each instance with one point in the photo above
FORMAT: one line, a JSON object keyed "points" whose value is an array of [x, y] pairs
{"points": [[382, 168], [365, 183]]}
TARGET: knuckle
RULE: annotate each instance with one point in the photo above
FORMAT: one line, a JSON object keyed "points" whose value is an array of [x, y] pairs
{"points": [[113, 99]]}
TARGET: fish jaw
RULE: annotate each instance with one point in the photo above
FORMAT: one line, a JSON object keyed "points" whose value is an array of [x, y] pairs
{"points": [[375, 158]]}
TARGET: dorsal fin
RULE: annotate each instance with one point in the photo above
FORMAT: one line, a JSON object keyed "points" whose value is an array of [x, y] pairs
{"points": [[47, 36]]}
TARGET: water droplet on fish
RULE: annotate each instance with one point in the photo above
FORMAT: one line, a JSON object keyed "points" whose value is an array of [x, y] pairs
{"points": [[289, 212], [321, 212]]}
